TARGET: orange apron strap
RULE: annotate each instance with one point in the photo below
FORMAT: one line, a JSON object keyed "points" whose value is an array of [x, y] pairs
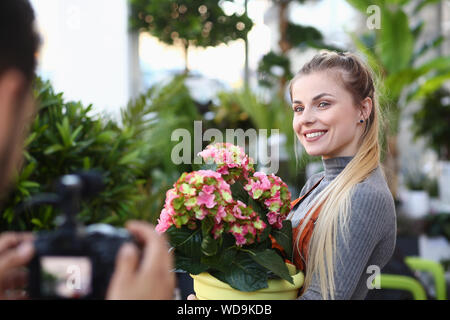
{"points": [[296, 201], [307, 232], [295, 230]]}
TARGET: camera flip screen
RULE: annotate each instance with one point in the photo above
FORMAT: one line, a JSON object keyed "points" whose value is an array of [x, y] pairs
{"points": [[66, 277]]}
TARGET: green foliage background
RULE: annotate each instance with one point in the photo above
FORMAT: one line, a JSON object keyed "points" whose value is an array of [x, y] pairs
{"points": [[133, 156]]}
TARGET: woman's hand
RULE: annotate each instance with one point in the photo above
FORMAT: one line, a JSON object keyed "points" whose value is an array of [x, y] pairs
{"points": [[16, 250], [152, 279], [192, 297]]}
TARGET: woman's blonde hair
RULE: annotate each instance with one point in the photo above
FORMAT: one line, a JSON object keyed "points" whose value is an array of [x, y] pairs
{"points": [[358, 79]]}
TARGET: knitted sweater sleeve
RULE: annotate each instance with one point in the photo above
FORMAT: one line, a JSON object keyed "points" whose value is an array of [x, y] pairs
{"points": [[370, 220]]}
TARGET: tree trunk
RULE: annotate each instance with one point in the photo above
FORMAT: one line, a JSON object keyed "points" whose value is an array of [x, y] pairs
{"points": [[186, 57], [246, 70], [283, 42], [283, 25]]}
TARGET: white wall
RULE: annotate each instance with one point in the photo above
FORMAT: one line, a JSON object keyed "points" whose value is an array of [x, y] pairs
{"points": [[87, 52]]}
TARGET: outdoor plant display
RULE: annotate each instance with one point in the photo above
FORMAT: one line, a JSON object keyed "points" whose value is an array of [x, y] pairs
{"points": [[223, 219]]}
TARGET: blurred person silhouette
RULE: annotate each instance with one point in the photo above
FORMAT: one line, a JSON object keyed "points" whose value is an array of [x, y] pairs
{"points": [[133, 278]]}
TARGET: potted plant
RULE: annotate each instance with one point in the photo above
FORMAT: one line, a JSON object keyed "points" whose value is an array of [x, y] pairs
{"points": [[432, 122], [417, 204], [227, 225]]}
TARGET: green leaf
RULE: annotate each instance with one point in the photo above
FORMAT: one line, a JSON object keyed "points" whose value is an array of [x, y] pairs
{"points": [[396, 40], [178, 203], [187, 241], [28, 170], [30, 184], [257, 206], [284, 237], [52, 149], [86, 163], [224, 257], [429, 86], [129, 158], [30, 139], [106, 137], [368, 51], [75, 134], [207, 225], [238, 192], [270, 260], [209, 246], [244, 274], [299, 35], [264, 236], [189, 265], [8, 214], [64, 131], [36, 222]]}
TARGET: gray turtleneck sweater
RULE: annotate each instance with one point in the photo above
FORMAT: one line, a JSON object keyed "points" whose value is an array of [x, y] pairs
{"points": [[372, 231]]}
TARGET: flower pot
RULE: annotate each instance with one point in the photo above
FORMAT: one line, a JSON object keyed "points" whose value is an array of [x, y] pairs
{"points": [[207, 287], [418, 204], [444, 182]]}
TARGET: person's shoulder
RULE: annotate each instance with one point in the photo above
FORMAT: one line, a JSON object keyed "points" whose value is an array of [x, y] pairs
{"points": [[373, 207], [312, 180], [373, 194]]}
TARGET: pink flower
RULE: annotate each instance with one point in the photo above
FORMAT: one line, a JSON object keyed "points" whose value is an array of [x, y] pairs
{"points": [[217, 230], [237, 212], [272, 217], [221, 213], [223, 170], [264, 182], [208, 189], [164, 221], [206, 199], [209, 174], [273, 203], [201, 214], [232, 162], [240, 239]]}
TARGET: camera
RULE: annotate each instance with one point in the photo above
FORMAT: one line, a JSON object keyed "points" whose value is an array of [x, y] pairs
{"points": [[74, 261]]}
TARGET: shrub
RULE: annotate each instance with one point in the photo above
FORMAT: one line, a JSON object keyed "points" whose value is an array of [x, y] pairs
{"points": [[133, 156]]}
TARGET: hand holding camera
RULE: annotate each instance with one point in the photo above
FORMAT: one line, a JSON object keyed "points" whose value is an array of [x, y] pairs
{"points": [[77, 262], [152, 278], [16, 250]]}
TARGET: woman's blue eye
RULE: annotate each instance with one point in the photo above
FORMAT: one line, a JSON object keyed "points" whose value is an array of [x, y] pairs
{"points": [[323, 104], [298, 109]]}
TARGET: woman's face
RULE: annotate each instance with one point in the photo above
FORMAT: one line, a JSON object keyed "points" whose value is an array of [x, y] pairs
{"points": [[326, 120]]}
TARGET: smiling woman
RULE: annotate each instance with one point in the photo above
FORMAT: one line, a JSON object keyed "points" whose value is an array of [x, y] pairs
{"points": [[344, 220], [327, 124]]}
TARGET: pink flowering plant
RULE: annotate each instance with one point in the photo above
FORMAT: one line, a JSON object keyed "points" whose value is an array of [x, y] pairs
{"points": [[223, 219]]}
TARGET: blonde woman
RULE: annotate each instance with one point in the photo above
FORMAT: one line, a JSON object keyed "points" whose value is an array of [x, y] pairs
{"points": [[344, 221]]}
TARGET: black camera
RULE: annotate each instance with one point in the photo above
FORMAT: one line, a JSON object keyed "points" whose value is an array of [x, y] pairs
{"points": [[74, 261]]}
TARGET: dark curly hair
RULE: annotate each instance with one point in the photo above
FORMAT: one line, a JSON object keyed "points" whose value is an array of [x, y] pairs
{"points": [[18, 39]]}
